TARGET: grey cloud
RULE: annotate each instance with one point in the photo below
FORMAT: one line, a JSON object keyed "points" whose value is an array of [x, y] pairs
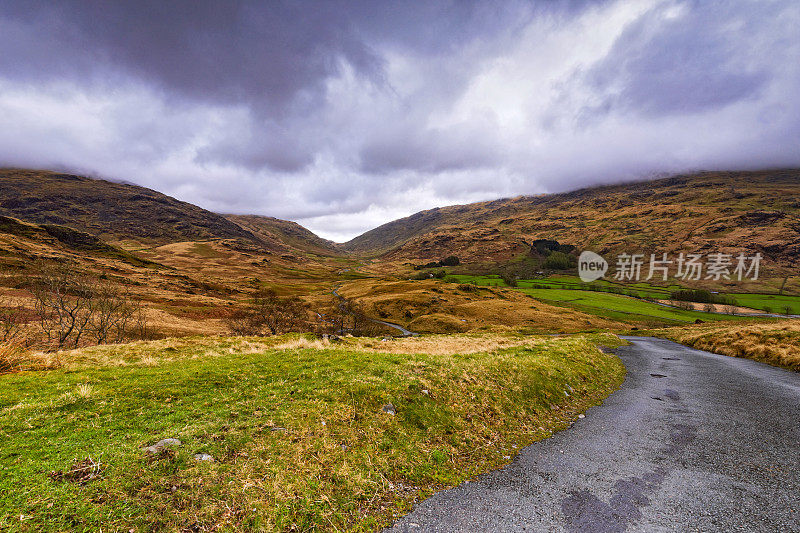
{"points": [[271, 55], [344, 114], [706, 57]]}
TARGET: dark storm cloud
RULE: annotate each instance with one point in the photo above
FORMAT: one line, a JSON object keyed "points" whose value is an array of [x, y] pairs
{"points": [[270, 55], [345, 114]]}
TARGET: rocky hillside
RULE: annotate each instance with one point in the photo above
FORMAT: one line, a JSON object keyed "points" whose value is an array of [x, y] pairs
{"points": [[706, 212], [111, 211]]}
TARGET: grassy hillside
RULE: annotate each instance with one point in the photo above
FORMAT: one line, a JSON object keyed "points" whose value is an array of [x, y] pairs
{"points": [[32, 242], [111, 211], [303, 435], [208, 264], [272, 229], [714, 211]]}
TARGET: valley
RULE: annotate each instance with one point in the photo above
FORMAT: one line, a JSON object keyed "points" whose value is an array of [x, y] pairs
{"points": [[268, 353]]}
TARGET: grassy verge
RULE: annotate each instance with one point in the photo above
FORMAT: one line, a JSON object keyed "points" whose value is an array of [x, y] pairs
{"points": [[775, 343], [296, 427]]}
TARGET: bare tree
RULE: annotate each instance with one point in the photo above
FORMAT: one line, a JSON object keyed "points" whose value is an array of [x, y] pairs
{"points": [[63, 301], [268, 313], [348, 316], [11, 320], [114, 314], [72, 307]]}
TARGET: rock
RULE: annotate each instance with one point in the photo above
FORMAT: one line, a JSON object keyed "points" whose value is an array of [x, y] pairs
{"points": [[277, 428], [162, 445], [426, 392], [389, 409], [203, 457], [581, 416]]}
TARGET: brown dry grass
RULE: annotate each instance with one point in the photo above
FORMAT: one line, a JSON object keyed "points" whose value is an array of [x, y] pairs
{"points": [[775, 343], [433, 306], [157, 352], [15, 358]]}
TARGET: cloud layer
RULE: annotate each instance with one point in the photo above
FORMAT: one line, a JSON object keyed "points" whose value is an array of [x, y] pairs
{"points": [[345, 115]]}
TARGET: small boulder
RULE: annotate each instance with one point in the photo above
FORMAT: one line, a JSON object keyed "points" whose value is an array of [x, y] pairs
{"points": [[162, 445], [389, 409], [203, 457]]}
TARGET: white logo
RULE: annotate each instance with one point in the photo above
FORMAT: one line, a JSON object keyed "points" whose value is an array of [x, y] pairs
{"points": [[591, 266]]}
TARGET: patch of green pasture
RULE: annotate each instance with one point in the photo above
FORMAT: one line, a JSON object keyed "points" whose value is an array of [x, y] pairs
{"points": [[614, 302], [299, 435], [776, 303]]}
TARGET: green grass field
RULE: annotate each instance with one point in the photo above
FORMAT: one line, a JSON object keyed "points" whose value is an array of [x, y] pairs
{"points": [[591, 301], [639, 290], [296, 427], [611, 305], [773, 302]]}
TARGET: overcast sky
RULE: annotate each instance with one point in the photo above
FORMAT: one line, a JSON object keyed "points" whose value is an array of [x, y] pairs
{"points": [[345, 115]]}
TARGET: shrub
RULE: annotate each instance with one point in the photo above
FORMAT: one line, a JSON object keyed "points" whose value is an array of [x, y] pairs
{"points": [[559, 261]]}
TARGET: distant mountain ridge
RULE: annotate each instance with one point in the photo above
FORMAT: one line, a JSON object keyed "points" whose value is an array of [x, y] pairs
{"points": [[708, 211], [285, 231], [112, 211], [758, 211], [118, 212]]}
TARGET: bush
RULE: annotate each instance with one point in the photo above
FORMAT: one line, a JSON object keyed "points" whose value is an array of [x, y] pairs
{"points": [[559, 261], [702, 296]]}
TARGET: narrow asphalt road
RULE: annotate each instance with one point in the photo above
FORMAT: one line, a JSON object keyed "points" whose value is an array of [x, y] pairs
{"points": [[691, 442]]}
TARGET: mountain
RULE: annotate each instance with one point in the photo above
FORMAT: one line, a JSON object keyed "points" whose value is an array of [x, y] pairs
{"points": [[758, 211], [111, 211], [271, 229]]}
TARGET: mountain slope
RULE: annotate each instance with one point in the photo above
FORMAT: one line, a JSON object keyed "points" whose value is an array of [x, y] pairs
{"points": [[285, 231], [705, 212], [112, 211]]}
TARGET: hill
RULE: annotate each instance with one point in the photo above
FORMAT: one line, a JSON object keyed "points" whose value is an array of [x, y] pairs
{"points": [[705, 212], [270, 229], [111, 211]]}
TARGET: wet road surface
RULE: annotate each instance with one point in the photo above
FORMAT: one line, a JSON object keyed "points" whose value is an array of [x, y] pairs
{"points": [[691, 442]]}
